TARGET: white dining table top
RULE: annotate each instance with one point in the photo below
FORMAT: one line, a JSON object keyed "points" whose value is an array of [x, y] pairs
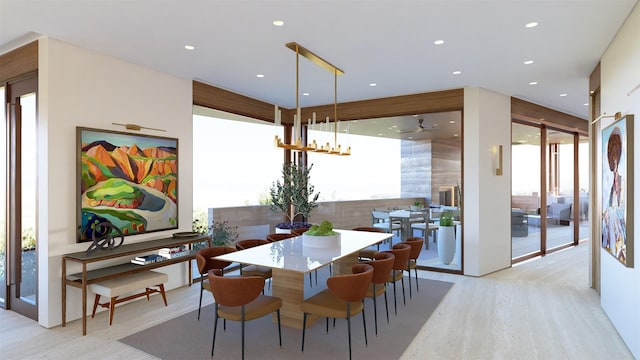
{"points": [[406, 213], [292, 254]]}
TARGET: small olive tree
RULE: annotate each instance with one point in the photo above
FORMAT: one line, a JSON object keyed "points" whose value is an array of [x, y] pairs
{"points": [[293, 195]]}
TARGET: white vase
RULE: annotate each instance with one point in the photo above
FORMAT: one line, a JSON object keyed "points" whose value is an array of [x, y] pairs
{"points": [[283, 231], [446, 244]]}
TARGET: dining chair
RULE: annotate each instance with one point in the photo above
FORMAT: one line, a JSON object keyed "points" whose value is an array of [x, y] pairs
{"points": [[401, 252], [412, 263], [205, 261], [369, 253], [254, 270], [343, 299], [381, 219], [382, 266], [238, 298], [279, 236]]}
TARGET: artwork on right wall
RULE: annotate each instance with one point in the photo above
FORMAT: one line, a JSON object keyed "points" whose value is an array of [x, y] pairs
{"points": [[617, 189]]}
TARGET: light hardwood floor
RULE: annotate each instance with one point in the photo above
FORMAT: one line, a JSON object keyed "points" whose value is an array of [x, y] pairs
{"points": [[541, 309]]}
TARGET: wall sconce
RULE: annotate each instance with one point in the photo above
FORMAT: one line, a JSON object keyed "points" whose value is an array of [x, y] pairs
{"points": [[499, 168]]}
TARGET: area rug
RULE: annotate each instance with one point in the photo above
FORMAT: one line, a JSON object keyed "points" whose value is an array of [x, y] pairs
{"points": [[187, 338]]}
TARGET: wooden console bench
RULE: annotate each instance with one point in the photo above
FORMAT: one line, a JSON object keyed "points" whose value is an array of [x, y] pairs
{"points": [[125, 252]]}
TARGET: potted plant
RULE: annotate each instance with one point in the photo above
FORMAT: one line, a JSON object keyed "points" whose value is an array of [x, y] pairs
{"points": [[446, 238], [221, 232], [416, 206], [293, 196], [321, 235]]}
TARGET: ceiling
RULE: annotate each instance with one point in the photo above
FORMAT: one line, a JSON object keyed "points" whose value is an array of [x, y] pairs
{"points": [[389, 43]]}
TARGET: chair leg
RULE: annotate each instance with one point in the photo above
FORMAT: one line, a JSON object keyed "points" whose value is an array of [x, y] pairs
{"points": [[386, 305], [375, 309], [242, 326], [304, 327], [279, 328], [395, 301], [364, 325], [349, 326], [200, 303], [310, 281], [409, 271], [404, 299], [416, 273], [215, 327]]}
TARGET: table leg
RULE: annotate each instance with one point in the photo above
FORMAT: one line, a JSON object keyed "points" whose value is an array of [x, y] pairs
{"points": [[84, 299], [289, 286]]}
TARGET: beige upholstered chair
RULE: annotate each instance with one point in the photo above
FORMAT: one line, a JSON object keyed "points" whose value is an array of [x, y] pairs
{"points": [[238, 299], [204, 258], [343, 299], [382, 266]]}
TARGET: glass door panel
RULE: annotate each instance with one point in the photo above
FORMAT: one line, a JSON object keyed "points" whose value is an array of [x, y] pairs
{"points": [[583, 179], [525, 190], [3, 202], [560, 197]]}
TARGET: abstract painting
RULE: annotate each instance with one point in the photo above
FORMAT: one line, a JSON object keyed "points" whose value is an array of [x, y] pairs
{"points": [[127, 180], [617, 190]]}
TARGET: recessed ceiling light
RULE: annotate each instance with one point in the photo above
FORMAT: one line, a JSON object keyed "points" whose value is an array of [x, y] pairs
{"points": [[380, 134], [457, 72], [563, 95], [373, 84], [586, 104], [415, 115], [410, 138], [455, 135], [452, 122], [260, 76], [189, 47], [533, 83], [278, 22], [528, 62], [305, 94], [531, 24], [393, 127], [439, 42]]}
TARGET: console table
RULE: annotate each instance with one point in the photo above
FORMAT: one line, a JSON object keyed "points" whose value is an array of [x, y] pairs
{"points": [[83, 279]]}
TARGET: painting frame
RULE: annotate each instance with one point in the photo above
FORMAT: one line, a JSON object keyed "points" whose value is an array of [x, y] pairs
{"points": [[617, 190], [129, 180]]}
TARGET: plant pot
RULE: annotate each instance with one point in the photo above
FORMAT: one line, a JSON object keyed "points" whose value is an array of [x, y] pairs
{"points": [[283, 231], [446, 244]]}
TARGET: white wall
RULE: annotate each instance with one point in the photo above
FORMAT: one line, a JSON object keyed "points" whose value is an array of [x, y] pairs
{"points": [[620, 72], [78, 87], [487, 197]]}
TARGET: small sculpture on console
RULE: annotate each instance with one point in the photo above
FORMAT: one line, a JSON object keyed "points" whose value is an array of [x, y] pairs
{"points": [[103, 237]]}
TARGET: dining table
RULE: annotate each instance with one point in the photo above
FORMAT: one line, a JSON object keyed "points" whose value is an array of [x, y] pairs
{"points": [[291, 260], [406, 218]]}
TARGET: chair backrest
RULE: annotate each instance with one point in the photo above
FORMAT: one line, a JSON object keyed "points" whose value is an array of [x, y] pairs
{"points": [[370, 229], [382, 266], [249, 243], [204, 258], [379, 216], [299, 231], [352, 287], [235, 290], [279, 236], [416, 246], [401, 252]]}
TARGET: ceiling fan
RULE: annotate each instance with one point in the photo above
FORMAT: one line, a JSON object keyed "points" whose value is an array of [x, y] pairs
{"points": [[420, 128]]}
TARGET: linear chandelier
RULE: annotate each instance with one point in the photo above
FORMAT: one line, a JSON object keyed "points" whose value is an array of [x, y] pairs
{"points": [[313, 146]]}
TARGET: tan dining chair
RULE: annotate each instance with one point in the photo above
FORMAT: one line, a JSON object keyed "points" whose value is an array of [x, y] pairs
{"points": [[343, 299], [238, 299], [254, 270], [369, 253], [279, 236], [401, 252], [412, 263], [205, 261], [382, 266]]}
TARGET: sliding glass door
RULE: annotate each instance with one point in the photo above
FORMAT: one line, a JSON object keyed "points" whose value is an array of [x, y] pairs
{"points": [[547, 208]]}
